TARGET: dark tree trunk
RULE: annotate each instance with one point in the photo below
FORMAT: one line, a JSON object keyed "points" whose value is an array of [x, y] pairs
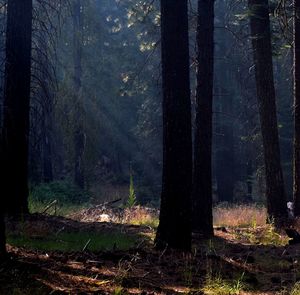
{"points": [[16, 104], [2, 237], [297, 107], [225, 164], [262, 51], [174, 229], [202, 180], [79, 136]]}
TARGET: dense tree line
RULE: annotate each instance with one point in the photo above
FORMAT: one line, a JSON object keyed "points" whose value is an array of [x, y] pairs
{"points": [[86, 106]]}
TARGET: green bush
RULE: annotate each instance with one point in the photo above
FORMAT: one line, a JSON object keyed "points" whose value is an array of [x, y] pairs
{"points": [[62, 191], [131, 201]]}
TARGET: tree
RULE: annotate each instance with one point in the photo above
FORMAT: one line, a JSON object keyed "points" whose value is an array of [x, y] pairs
{"points": [[224, 104], [79, 136], [262, 53], [16, 105], [297, 107], [202, 180], [2, 237], [174, 229]]}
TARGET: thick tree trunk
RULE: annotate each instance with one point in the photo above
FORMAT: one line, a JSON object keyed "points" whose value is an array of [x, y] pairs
{"points": [[16, 105], [225, 160], [174, 229], [2, 237], [262, 51], [297, 107], [202, 180], [79, 136]]}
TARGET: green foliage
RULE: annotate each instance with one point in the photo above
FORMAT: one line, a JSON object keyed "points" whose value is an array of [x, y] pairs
{"points": [[264, 236], [131, 201], [119, 291], [76, 241], [216, 285], [62, 191]]}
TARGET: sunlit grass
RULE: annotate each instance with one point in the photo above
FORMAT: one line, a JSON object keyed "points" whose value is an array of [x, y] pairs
{"points": [[239, 215], [59, 209], [216, 285], [296, 289]]}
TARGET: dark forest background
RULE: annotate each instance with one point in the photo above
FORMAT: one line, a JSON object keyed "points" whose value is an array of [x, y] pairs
{"points": [[114, 98]]}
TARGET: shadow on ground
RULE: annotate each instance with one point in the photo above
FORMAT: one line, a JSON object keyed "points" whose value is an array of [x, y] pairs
{"points": [[223, 265]]}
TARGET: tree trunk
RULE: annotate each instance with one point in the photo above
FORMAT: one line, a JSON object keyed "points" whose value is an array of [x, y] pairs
{"points": [[2, 237], [262, 52], [297, 107], [202, 186], [225, 164], [79, 136], [16, 104], [174, 229]]}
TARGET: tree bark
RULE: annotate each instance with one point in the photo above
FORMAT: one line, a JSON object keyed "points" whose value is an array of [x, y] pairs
{"points": [[262, 53], [225, 160], [79, 136], [16, 105], [297, 107], [202, 180], [2, 237], [174, 230]]}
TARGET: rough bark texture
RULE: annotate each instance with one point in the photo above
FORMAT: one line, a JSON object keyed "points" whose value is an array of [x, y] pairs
{"points": [[262, 51], [174, 229], [16, 105], [297, 107], [202, 180], [79, 136]]}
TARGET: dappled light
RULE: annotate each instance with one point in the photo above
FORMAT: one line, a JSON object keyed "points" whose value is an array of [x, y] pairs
{"points": [[150, 147]]}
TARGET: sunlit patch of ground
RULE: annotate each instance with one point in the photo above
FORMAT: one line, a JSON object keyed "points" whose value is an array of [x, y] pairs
{"points": [[245, 258]]}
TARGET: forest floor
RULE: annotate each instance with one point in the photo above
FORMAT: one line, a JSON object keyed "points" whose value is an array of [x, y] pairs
{"points": [[81, 255]]}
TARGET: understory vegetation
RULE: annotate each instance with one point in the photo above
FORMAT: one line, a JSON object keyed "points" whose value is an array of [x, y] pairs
{"points": [[247, 256]]}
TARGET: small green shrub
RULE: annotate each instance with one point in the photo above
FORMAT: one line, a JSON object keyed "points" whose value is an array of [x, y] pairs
{"points": [[62, 191], [131, 201]]}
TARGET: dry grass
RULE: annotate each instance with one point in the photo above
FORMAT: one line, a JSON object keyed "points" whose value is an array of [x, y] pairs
{"points": [[240, 215], [141, 216]]}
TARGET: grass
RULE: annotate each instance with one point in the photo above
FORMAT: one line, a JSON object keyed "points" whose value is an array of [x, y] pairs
{"points": [[239, 215], [216, 285], [67, 242], [62, 209], [296, 289], [264, 235]]}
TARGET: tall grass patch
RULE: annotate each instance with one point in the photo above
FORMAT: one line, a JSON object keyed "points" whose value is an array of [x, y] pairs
{"points": [[240, 215]]}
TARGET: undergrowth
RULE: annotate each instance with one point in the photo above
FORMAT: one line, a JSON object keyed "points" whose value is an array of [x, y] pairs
{"points": [[76, 241]]}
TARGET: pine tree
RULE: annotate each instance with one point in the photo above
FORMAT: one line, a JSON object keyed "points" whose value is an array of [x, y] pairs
{"points": [[16, 105], [262, 53], [174, 229], [202, 180]]}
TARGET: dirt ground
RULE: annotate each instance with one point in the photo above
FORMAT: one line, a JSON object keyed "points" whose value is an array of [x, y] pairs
{"points": [[234, 262]]}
